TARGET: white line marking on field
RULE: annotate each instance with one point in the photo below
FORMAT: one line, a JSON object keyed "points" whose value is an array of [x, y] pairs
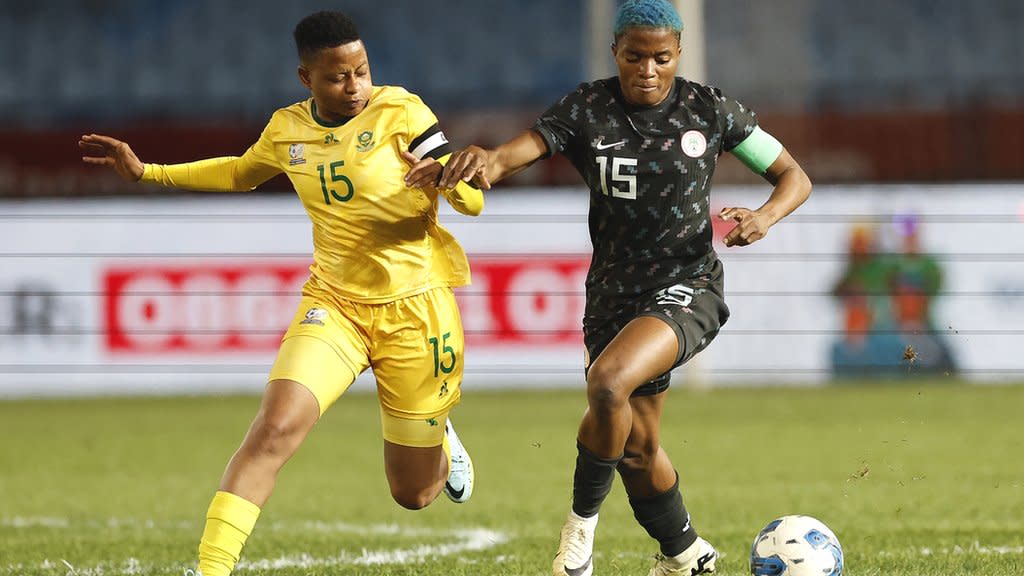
{"points": [[974, 548], [465, 541], [34, 522], [454, 542]]}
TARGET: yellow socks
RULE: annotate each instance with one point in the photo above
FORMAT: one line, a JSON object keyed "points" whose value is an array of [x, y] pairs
{"points": [[229, 522]]}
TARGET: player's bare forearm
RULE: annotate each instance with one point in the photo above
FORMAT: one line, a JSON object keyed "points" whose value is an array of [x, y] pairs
{"points": [[516, 155], [485, 167], [792, 188]]}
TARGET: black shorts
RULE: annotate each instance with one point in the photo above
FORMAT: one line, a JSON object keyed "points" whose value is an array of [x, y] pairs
{"points": [[694, 308]]}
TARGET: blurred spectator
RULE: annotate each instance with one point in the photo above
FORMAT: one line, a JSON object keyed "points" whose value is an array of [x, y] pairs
{"points": [[915, 279], [886, 300], [868, 344]]}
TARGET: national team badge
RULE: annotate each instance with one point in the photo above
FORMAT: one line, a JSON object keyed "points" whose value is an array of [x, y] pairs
{"points": [[694, 143], [365, 139], [315, 315], [296, 154]]}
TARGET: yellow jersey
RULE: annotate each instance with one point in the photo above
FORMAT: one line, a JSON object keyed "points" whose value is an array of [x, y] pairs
{"points": [[374, 239]]}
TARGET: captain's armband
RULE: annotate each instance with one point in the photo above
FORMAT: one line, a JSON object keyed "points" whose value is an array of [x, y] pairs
{"points": [[758, 151]]}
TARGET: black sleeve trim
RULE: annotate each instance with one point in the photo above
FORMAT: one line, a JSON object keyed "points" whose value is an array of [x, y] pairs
{"points": [[549, 140]]}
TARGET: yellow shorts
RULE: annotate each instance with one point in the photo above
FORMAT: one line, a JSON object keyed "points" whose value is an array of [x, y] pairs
{"points": [[414, 345]]}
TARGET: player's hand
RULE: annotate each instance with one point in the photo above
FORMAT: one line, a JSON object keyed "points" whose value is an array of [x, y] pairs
{"points": [[107, 151], [468, 165], [424, 173], [751, 226]]}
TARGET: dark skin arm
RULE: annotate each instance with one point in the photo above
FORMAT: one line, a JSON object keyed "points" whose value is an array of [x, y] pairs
{"points": [[483, 167], [792, 187]]}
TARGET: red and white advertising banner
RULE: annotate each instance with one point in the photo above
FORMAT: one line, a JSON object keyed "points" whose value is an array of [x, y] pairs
{"points": [[191, 294]]}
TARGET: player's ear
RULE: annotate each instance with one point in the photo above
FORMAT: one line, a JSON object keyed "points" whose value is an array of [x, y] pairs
{"points": [[615, 49], [304, 77]]}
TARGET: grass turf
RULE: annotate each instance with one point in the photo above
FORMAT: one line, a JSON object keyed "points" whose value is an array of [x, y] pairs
{"points": [[916, 479]]}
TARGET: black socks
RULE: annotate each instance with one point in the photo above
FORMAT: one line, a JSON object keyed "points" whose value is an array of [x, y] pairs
{"points": [[666, 520], [592, 481]]}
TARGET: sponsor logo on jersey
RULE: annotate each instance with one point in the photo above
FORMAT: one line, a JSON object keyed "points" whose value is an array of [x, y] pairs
{"points": [[365, 139], [694, 143], [296, 154], [331, 139], [315, 316]]}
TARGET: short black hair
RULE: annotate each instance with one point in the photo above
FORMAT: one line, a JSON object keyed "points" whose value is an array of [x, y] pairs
{"points": [[323, 30]]}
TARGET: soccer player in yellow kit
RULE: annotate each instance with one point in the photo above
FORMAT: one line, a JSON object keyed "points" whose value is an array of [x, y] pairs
{"points": [[380, 288]]}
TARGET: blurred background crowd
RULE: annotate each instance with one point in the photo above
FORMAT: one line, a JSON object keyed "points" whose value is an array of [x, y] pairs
{"points": [[870, 91]]}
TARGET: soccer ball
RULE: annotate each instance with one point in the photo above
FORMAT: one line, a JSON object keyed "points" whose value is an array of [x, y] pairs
{"points": [[796, 546]]}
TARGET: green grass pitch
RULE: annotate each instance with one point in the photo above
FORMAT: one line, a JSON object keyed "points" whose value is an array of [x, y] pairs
{"points": [[915, 478]]}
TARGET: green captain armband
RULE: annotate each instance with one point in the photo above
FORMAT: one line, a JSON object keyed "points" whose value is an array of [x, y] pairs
{"points": [[758, 150]]}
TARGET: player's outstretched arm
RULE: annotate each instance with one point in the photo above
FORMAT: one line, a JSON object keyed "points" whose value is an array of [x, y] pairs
{"points": [[225, 174], [485, 167], [792, 188], [102, 150]]}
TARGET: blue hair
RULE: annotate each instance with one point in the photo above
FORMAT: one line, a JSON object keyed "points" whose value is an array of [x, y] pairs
{"points": [[647, 13]]}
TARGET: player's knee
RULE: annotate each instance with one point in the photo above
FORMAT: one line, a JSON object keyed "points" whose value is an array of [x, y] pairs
{"points": [[274, 437], [605, 391], [412, 499]]}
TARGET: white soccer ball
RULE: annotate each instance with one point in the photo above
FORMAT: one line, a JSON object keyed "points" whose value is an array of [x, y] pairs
{"points": [[796, 546]]}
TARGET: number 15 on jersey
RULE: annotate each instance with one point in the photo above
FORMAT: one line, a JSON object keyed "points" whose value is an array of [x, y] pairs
{"points": [[613, 178]]}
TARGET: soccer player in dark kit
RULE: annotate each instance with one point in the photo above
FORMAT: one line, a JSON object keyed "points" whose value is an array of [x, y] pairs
{"points": [[646, 143]]}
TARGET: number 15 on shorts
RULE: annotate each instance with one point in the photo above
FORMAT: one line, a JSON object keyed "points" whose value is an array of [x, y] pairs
{"points": [[444, 355]]}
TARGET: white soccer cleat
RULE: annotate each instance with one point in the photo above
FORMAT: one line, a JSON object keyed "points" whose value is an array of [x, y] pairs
{"points": [[699, 558], [459, 486], [575, 555]]}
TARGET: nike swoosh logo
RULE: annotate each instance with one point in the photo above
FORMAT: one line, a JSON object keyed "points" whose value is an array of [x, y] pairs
{"points": [[600, 146], [580, 570], [455, 493], [704, 561]]}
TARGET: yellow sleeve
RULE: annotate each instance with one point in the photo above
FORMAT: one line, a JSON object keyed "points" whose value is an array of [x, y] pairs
{"points": [[224, 174], [464, 198]]}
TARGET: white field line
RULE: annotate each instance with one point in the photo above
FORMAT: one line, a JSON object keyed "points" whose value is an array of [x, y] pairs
{"points": [[462, 541], [451, 542], [973, 548], [34, 522]]}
